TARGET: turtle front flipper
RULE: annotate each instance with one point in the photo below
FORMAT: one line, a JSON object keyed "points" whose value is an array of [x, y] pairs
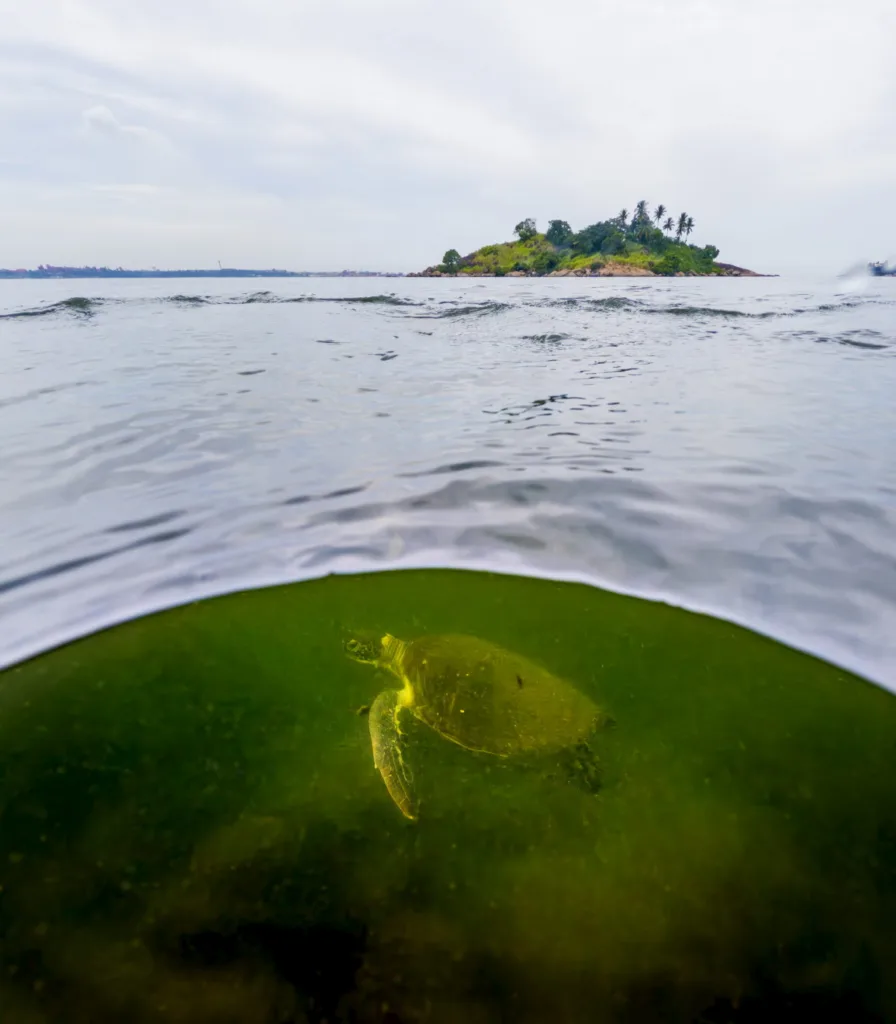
{"points": [[385, 736]]}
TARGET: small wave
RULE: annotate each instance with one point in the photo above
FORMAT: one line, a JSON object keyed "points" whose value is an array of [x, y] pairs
{"points": [[537, 407], [703, 311], [478, 309], [454, 467], [361, 300], [29, 396], [80, 304], [611, 302], [835, 307], [620, 302], [380, 300], [342, 492], [72, 564], [568, 303], [707, 311], [831, 307], [550, 339], [271, 298], [856, 343], [77, 305], [864, 338], [130, 525]]}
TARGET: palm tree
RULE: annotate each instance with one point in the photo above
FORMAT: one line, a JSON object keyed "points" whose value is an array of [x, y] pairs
{"points": [[669, 225], [622, 218], [641, 213], [681, 227], [689, 227], [659, 213]]}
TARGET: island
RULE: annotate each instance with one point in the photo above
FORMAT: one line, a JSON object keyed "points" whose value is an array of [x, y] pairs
{"points": [[647, 244]]}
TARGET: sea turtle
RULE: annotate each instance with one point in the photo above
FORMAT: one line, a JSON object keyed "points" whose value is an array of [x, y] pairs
{"points": [[478, 695]]}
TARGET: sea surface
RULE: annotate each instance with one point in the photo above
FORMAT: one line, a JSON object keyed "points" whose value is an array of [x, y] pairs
{"points": [[725, 445], [673, 502]]}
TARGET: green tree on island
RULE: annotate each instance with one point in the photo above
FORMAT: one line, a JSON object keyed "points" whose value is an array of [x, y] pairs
{"points": [[658, 214], [688, 227], [641, 215], [544, 262], [681, 226], [451, 261], [669, 225], [622, 219], [559, 233], [526, 229], [604, 237], [642, 223]]}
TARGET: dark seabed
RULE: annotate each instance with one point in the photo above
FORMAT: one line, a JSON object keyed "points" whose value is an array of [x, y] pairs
{"points": [[191, 825]]}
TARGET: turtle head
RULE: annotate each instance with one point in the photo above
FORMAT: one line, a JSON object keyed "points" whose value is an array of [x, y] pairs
{"points": [[364, 647]]}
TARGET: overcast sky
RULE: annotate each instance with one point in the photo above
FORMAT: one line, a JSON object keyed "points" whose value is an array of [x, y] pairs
{"points": [[323, 134]]}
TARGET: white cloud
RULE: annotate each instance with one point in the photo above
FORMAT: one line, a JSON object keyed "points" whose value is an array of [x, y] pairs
{"points": [[386, 133], [101, 119]]}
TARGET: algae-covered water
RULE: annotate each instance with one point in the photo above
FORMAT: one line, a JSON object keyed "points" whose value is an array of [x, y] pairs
{"points": [[193, 829]]}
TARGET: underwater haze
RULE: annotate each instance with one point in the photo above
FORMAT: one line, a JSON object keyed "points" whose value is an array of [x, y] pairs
{"points": [[192, 827]]}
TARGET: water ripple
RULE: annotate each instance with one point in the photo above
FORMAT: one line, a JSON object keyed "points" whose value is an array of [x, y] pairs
{"points": [[722, 445]]}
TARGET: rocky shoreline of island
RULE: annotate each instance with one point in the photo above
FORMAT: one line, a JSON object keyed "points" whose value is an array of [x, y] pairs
{"points": [[645, 244], [610, 269]]}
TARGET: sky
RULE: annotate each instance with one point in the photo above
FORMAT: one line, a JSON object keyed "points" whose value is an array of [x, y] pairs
{"points": [[376, 134]]}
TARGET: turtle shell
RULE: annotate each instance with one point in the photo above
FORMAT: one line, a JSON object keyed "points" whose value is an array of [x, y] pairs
{"points": [[486, 698]]}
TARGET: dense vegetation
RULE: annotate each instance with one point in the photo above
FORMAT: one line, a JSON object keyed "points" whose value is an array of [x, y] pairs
{"points": [[654, 242]]}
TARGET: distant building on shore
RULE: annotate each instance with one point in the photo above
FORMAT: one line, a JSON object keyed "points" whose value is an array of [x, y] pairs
{"points": [[48, 271]]}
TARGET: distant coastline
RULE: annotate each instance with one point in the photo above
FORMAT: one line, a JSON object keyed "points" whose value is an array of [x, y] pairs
{"points": [[48, 272]]}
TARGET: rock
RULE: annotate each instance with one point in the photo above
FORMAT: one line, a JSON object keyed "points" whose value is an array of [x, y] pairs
{"points": [[624, 270], [730, 270], [610, 269]]}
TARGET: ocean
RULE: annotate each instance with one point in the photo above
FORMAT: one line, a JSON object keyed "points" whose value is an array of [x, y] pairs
{"points": [[676, 496], [726, 445]]}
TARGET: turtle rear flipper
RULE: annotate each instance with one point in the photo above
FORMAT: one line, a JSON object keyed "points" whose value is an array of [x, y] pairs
{"points": [[387, 742], [583, 767]]}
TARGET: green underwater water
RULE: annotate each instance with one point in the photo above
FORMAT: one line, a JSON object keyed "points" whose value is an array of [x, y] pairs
{"points": [[192, 828]]}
